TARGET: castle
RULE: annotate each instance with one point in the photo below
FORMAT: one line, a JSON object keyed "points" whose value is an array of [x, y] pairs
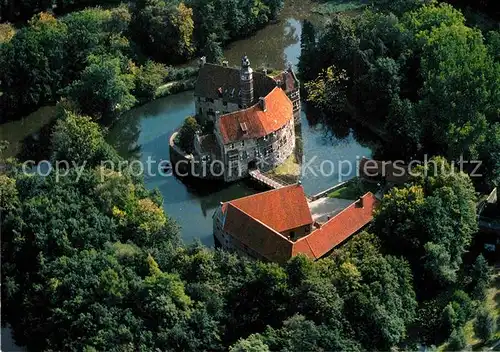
{"points": [[248, 119], [279, 224]]}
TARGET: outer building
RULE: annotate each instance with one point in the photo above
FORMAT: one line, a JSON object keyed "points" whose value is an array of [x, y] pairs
{"points": [[248, 118], [278, 224]]}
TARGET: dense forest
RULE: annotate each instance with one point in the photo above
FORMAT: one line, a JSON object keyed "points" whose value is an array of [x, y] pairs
{"points": [[419, 73], [90, 261], [119, 50]]}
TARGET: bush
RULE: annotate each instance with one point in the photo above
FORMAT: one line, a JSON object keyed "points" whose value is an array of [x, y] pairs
{"points": [[186, 134], [457, 340], [147, 80], [484, 326]]}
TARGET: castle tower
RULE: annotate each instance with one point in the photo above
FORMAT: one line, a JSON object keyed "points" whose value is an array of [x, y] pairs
{"points": [[246, 83]]}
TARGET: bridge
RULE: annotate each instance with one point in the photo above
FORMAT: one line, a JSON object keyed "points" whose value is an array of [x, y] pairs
{"points": [[269, 182]]}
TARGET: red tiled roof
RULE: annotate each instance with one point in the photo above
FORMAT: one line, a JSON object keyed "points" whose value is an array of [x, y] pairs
{"points": [[281, 209], [279, 111], [256, 235], [256, 221], [337, 229]]}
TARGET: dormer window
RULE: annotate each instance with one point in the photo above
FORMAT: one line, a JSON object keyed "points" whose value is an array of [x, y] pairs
{"points": [[244, 127]]}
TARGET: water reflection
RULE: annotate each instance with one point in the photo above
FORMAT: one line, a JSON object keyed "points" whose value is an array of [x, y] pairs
{"points": [[29, 137]]}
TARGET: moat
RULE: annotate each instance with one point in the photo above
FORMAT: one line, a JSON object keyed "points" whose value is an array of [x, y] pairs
{"points": [[144, 132]]}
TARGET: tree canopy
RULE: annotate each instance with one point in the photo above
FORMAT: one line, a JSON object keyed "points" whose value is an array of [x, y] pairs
{"points": [[418, 70]]}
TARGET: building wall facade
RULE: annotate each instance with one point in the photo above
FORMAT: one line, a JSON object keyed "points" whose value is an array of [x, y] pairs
{"points": [[297, 233], [228, 242], [263, 154], [207, 108]]}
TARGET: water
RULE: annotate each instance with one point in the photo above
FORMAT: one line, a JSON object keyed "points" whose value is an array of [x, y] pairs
{"points": [[144, 132]]}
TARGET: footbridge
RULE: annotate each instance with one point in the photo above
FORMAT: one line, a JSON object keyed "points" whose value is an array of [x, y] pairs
{"points": [[266, 180]]}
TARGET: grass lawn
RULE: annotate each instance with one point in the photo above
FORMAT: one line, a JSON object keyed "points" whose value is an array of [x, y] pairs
{"points": [[289, 168], [353, 190], [336, 6]]}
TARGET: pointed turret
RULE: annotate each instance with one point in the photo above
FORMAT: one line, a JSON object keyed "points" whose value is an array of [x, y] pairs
{"points": [[246, 83]]}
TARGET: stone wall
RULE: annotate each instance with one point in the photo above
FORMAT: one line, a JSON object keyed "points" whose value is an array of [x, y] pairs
{"points": [[207, 108], [227, 242], [264, 153]]}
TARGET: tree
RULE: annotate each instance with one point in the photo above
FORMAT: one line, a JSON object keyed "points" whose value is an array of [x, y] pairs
{"points": [[328, 90], [430, 222], [307, 51], [187, 133], [104, 88], [484, 325], [489, 154], [457, 341], [398, 7], [164, 30], [77, 140], [8, 194], [377, 290], [148, 78], [481, 278], [7, 31], [417, 69], [252, 343], [300, 334], [33, 65], [213, 50], [448, 320]]}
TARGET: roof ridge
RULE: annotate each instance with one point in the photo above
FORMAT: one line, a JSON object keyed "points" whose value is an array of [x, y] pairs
{"points": [[260, 222], [336, 216], [265, 192], [252, 106], [309, 245]]}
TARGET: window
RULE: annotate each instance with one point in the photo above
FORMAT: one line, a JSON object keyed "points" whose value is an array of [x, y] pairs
{"points": [[242, 143], [266, 138], [224, 103], [232, 146]]}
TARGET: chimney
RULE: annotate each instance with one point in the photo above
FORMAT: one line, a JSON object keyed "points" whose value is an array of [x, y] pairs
{"points": [[360, 202], [225, 63], [202, 61], [262, 104]]}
